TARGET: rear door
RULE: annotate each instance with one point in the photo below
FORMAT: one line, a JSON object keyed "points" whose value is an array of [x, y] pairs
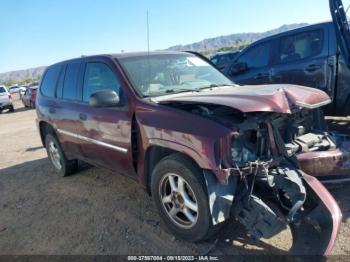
{"points": [[302, 59], [257, 60], [68, 98], [106, 131]]}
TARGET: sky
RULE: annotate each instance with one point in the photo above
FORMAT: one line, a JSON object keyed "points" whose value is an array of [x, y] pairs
{"points": [[42, 32]]}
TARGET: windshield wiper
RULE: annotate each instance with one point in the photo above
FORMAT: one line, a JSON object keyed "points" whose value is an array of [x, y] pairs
{"points": [[180, 90], [213, 85]]}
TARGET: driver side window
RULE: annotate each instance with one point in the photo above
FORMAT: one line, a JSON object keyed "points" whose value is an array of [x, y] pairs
{"points": [[257, 56], [98, 76]]}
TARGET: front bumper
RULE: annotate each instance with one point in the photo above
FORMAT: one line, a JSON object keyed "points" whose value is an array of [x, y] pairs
{"points": [[333, 165]]}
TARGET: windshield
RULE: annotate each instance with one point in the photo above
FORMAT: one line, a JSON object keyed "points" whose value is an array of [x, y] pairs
{"points": [[157, 75]]}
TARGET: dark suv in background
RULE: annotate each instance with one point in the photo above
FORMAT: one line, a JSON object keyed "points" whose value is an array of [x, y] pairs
{"points": [[223, 59], [307, 56]]}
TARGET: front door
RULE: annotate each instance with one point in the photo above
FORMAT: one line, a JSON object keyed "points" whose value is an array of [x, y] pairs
{"points": [[257, 59], [106, 132]]}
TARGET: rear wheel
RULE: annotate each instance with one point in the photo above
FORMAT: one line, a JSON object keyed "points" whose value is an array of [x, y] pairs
{"points": [[180, 196], [62, 165], [12, 109]]}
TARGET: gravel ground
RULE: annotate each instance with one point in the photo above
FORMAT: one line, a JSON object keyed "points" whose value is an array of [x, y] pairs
{"points": [[96, 211]]}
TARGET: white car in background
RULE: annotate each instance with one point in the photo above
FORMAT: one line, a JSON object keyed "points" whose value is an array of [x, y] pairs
{"points": [[5, 100], [14, 89]]}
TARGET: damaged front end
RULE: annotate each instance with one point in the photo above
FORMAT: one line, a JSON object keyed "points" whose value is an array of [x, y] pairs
{"points": [[273, 192], [256, 176], [266, 189]]}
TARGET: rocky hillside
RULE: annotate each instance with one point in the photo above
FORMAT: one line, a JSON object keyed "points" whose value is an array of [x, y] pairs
{"points": [[232, 40], [21, 75]]}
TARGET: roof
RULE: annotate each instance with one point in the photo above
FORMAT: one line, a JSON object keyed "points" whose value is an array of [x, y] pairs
{"points": [[135, 54], [288, 32], [123, 55]]}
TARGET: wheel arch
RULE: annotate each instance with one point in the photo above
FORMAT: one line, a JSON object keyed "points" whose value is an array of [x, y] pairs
{"points": [[153, 155], [44, 128]]}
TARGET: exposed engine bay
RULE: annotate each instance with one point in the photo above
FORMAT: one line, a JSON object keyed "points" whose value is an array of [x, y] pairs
{"points": [[271, 193]]}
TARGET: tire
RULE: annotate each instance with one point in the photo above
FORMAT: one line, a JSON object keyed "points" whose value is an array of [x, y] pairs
{"points": [[169, 171], [12, 109], [62, 165]]}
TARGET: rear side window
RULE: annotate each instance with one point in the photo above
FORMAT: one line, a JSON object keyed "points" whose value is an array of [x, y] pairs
{"points": [[257, 56], [2, 90], [300, 46], [49, 82], [70, 91], [98, 76]]}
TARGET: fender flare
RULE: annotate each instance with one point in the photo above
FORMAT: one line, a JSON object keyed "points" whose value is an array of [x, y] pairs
{"points": [[190, 152]]}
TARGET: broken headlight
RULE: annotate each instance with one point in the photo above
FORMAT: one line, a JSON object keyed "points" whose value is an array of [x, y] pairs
{"points": [[243, 149]]}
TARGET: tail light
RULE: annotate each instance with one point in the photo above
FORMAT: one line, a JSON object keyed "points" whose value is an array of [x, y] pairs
{"points": [[10, 97], [33, 95]]}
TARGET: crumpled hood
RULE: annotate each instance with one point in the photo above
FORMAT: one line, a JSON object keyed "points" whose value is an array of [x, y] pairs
{"points": [[280, 98]]}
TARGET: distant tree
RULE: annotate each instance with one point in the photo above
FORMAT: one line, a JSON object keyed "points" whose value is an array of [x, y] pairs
{"points": [[226, 49]]}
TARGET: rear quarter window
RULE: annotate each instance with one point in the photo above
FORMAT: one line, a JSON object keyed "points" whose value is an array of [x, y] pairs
{"points": [[49, 81]]}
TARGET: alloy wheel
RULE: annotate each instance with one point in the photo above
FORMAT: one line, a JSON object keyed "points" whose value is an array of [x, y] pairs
{"points": [[55, 155], [178, 200]]}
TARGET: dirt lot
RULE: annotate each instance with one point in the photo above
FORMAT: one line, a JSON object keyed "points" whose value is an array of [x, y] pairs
{"points": [[96, 211]]}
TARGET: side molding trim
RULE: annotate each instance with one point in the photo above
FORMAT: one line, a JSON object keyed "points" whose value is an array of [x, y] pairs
{"points": [[90, 140]]}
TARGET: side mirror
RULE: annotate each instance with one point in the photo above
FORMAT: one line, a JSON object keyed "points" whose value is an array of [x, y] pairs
{"points": [[238, 68], [104, 98]]}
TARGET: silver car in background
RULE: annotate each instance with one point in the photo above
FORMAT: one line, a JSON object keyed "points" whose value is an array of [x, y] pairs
{"points": [[5, 100]]}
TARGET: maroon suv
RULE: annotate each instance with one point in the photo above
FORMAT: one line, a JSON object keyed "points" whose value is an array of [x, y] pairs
{"points": [[206, 149]]}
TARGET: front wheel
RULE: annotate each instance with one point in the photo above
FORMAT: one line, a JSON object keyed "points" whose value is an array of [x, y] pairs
{"points": [[62, 165], [180, 196]]}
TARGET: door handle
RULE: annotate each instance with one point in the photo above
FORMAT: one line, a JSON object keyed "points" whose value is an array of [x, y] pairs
{"points": [[311, 68], [52, 110], [82, 116]]}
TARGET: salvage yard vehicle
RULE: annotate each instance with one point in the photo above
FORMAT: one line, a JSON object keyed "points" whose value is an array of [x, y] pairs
{"points": [[223, 59], [5, 100], [29, 97], [15, 89], [206, 149], [307, 56]]}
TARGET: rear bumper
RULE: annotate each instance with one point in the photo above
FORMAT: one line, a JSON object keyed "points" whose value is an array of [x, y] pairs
{"points": [[6, 105]]}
